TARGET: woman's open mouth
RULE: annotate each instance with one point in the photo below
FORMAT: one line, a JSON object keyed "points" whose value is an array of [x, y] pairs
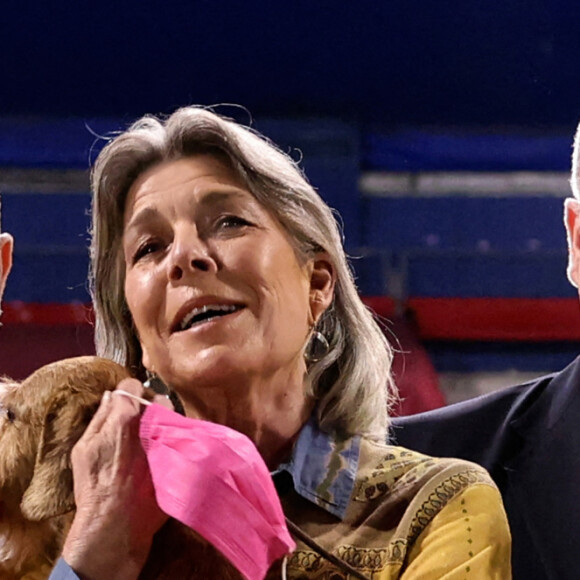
{"points": [[207, 313]]}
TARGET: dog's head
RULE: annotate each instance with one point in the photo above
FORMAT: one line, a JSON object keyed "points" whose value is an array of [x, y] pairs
{"points": [[40, 421]]}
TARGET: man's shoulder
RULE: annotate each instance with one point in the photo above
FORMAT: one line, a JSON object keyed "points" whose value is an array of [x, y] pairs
{"points": [[478, 429], [506, 402], [502, 399]]}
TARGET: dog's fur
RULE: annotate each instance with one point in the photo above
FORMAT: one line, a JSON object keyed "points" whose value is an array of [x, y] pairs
{"points": [[41, 420]]}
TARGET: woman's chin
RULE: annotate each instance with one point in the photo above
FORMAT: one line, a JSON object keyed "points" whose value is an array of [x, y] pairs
{"points": [[214, 368]]}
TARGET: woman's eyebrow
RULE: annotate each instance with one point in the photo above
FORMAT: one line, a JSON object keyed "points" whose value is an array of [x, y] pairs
{"points": [[217, 197], [145, 216], [149, 214]]}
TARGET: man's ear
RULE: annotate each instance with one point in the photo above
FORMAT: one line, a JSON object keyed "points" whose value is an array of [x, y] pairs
{"points": [[6, 244], [322, 283], [571, 215]]}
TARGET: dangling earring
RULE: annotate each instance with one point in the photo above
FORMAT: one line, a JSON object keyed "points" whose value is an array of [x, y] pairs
{"points": [[316, 348], [154, 383], [148, 384]]}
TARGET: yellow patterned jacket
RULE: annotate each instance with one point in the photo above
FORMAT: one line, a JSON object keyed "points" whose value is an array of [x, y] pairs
{"points": [[391, 513], [387, 511]]}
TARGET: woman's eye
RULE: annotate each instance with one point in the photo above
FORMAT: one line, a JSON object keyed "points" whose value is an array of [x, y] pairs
{"points": [[146, 249], [232, 221]]}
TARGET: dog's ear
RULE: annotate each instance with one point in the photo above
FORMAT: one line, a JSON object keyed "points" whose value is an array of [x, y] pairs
{"points": [[50, 492]]}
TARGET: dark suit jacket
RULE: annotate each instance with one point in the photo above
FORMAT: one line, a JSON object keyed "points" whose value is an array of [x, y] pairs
{"points": [[528, 438]]}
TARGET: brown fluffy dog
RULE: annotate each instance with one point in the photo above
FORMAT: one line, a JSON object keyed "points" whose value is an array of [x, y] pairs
{"points": [[40, 421]]}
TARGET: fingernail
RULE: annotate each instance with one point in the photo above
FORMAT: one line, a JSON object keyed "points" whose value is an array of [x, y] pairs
{"points": [[106, 396]]}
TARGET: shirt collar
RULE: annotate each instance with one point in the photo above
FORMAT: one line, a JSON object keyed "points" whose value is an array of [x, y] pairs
{"points": [[323, 467]]}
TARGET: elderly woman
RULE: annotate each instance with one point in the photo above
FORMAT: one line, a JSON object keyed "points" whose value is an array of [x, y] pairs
{"points": [[217, 268]]}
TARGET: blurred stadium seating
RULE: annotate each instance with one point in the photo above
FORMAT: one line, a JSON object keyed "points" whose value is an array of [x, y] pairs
{"points": [[463, 230]]}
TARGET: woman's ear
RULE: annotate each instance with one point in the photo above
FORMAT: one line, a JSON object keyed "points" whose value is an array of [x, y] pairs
{"points": [[322, 283], [145, 360]]}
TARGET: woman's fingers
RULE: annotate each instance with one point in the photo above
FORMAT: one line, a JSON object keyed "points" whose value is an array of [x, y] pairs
{"points": [[99, 418], [115, 497], [110, 409], [164, 401], [132, 386]]}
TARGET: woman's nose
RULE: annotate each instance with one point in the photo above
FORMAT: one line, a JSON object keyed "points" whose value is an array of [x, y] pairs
{"points": [[187, 257]]}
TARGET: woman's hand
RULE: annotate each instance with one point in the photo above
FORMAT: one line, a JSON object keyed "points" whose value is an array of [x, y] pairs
{"points": [[117, 514]]}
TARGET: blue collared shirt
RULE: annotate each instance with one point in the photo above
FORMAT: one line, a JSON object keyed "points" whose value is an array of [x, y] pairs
{"points": [[323, 469], [62, 571]]}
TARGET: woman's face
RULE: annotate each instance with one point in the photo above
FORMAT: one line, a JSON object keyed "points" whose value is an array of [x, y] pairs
{"points": [[214, 286]]}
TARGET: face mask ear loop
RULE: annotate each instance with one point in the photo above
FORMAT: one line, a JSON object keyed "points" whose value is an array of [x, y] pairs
{"points": [[131, 396], [284, 567], [313, 545]]}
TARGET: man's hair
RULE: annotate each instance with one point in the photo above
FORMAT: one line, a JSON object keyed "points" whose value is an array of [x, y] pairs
{"points": [[352, 382]]}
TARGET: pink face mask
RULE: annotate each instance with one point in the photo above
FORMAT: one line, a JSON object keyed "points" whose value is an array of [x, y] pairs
{"points": [[212, 479]]}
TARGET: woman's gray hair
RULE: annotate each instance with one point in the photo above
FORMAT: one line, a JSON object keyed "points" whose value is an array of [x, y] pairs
{"points": [[352, 382]]}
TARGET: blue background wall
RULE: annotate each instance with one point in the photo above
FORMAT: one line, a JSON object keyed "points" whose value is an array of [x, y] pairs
{"points": [[396, 85], [395, 61]]}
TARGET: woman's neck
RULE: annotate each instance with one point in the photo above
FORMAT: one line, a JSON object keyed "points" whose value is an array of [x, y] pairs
{"points": [[271, 413]]}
